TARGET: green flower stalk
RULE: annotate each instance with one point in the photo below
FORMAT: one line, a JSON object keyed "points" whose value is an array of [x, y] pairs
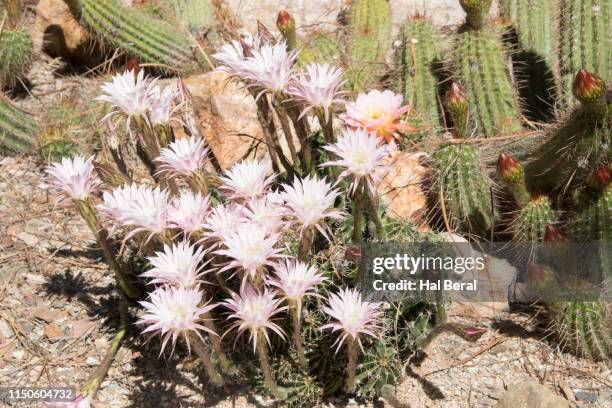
{"points": [[75, 178]]}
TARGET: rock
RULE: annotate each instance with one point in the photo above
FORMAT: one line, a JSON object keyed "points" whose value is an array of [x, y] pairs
{"points": [[81, 327], [52, 332], [529, 394], [227, 117], [56, 31], [47, 315], [29, 239], [401, 190], [5, 330]]}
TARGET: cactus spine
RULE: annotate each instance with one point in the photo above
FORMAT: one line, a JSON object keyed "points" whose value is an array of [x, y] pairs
{"points": [[17, 128], [584, 328], [369, 38], [465, 187], [419, 61], [585, 40], [594, 223], [15, 54], [196, 15], [533, 219], [143, 37], [480, 66]]}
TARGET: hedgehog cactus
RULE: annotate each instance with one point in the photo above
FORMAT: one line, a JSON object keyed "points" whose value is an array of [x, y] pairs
{"points": [[480, 65], [369, 39], [16, 55], [533, 219], [457, 107], [461, 180], [477, 12], [419, 60], [196, 15], [585, 40], [584, 328], [149, 40], [380, 366], [17, 129]]}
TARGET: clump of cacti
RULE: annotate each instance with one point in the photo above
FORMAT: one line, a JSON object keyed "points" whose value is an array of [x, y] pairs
{"points": [[16, 55], [584, 328], [419, 62], [17, 128], [368, 40], [532, 220], [142, 36], [380, 366]]}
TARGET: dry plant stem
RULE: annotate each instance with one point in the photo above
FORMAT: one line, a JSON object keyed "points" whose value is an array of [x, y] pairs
{"points": [[197, 182], [268, 128], [328, 129], [306, 243], [91, 387], [200, 348], [226, 364], [262, 353], [283, 119], [352, 365], [301, 129], [297, 333], [88, 212], [372, 207]]}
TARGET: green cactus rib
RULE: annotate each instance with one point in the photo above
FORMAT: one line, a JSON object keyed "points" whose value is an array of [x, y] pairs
{"points": [[532, 220], [584, 328], [466, 189], [197, 15], [17, 129], [564, 160], [594, 223], [418, 63], [320, 49], [585, 40], [369, 39], [15, 55], [480, 66], [150, 40]]}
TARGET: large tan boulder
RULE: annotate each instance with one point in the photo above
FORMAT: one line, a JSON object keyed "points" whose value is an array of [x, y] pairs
{"points": [[55, 26], [530, 394], [227, 117]]}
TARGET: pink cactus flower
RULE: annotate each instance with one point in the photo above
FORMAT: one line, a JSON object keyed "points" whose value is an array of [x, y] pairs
{"points": [[266, 212], [163, 105], [254, 311], [183, 157], [188, 212], [378, 112], [318, 87], [269, 68], [79, 402], [75, 178], [295, 280], [247, 180], [129, 93], [180, 265], [361, 156], [173, 312], [352, 316]]}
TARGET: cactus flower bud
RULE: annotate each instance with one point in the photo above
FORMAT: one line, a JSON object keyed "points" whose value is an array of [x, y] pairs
{"points": [[599, 178], [477, 11], [286, 25], [588, 88], [509, 169], [458, 107], [264, 34], [473, 333], [553, 234], [109, 174]]}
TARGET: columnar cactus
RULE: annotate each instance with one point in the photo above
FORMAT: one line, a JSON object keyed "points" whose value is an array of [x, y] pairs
{"points": [[368, 40], [17, 129], [149, 40], [419, 60], [196, 15], [585, 40], [321, 49], [477, 12], [15, 54], [533, 219], [480, 65]]}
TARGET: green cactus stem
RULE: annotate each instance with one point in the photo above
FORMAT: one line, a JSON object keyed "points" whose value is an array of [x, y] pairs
{"points": [[594, 223], [142, 36], [480, 66], [16, 56], [320, 49], [533, 219], [17, 129], [477, 12], [419, 60], [584, 328], [368, 41], [584, 40], [196, 15], [461, 180]]}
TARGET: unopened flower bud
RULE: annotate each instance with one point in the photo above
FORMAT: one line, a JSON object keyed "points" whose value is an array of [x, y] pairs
{"points": [[110, 175], [286, 25], [599, 178], [458, 107], [509, 169], [553, 234], [588, 88], [473, 333]]}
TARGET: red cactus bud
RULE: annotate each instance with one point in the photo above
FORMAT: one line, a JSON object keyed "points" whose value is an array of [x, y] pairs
{"points": [[540, 275], [353, 254], [458, 107], [473, 333], [554, 235], [600, 177], [588, 87], [509, 169], [286, 25], [133, 65]]}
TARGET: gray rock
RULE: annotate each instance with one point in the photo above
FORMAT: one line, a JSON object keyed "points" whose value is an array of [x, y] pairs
{"points": [[530, 394]]}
